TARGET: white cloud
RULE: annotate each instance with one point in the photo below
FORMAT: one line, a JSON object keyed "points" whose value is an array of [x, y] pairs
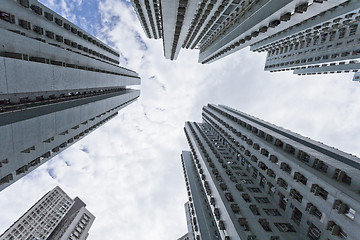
{"points": [[132, 179]]}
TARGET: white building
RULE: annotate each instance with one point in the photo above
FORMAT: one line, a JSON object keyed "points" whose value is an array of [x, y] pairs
{"points": [[57, 84], [54, 216], [249, 179]]}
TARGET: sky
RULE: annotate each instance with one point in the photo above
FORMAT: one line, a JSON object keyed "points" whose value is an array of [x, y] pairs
{"points": [[128, 171]]}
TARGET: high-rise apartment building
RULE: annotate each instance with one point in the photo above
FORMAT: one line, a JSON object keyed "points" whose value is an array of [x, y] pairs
{"points": [[308, 36], [248, 179], [54, 216], [57, 84], [189, 235]]}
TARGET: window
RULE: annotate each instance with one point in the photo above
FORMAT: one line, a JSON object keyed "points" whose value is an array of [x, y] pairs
{"points": [[58, 21], [235, 208], [296, 216], [265, 224], [50, 34], [74, 30], [229, 197], [38, 30], [7, 17], [282, 201], [25, 24], [343, 208], [67, 26], [342, 32], [254, 209], [262, 199], [313, 232], [244, 224], [67, 42], [285, 227], [282, 183], [300, 178], [319, 191], [24, 3], [246, 197], [36, 9], [49, 16], [247, 181], [313, 210], [264, 152], [285, 167], [296, 195], [254, 189], [239, 187], [289, 149], [272, 212], [59, 38]]}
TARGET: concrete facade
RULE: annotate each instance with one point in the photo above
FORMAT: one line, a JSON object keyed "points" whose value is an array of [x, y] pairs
{"points": [[54, 216], [259, 181], [57, 84]]}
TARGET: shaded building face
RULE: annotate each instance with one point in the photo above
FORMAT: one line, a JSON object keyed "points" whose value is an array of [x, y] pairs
{"points": [[249, 179], [57, 84]]}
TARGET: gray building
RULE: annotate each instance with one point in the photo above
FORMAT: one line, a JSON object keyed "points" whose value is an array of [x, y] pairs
{"points": [[58, 83], [54, 216], [309, 37], [249, 179], [189, 235]]}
